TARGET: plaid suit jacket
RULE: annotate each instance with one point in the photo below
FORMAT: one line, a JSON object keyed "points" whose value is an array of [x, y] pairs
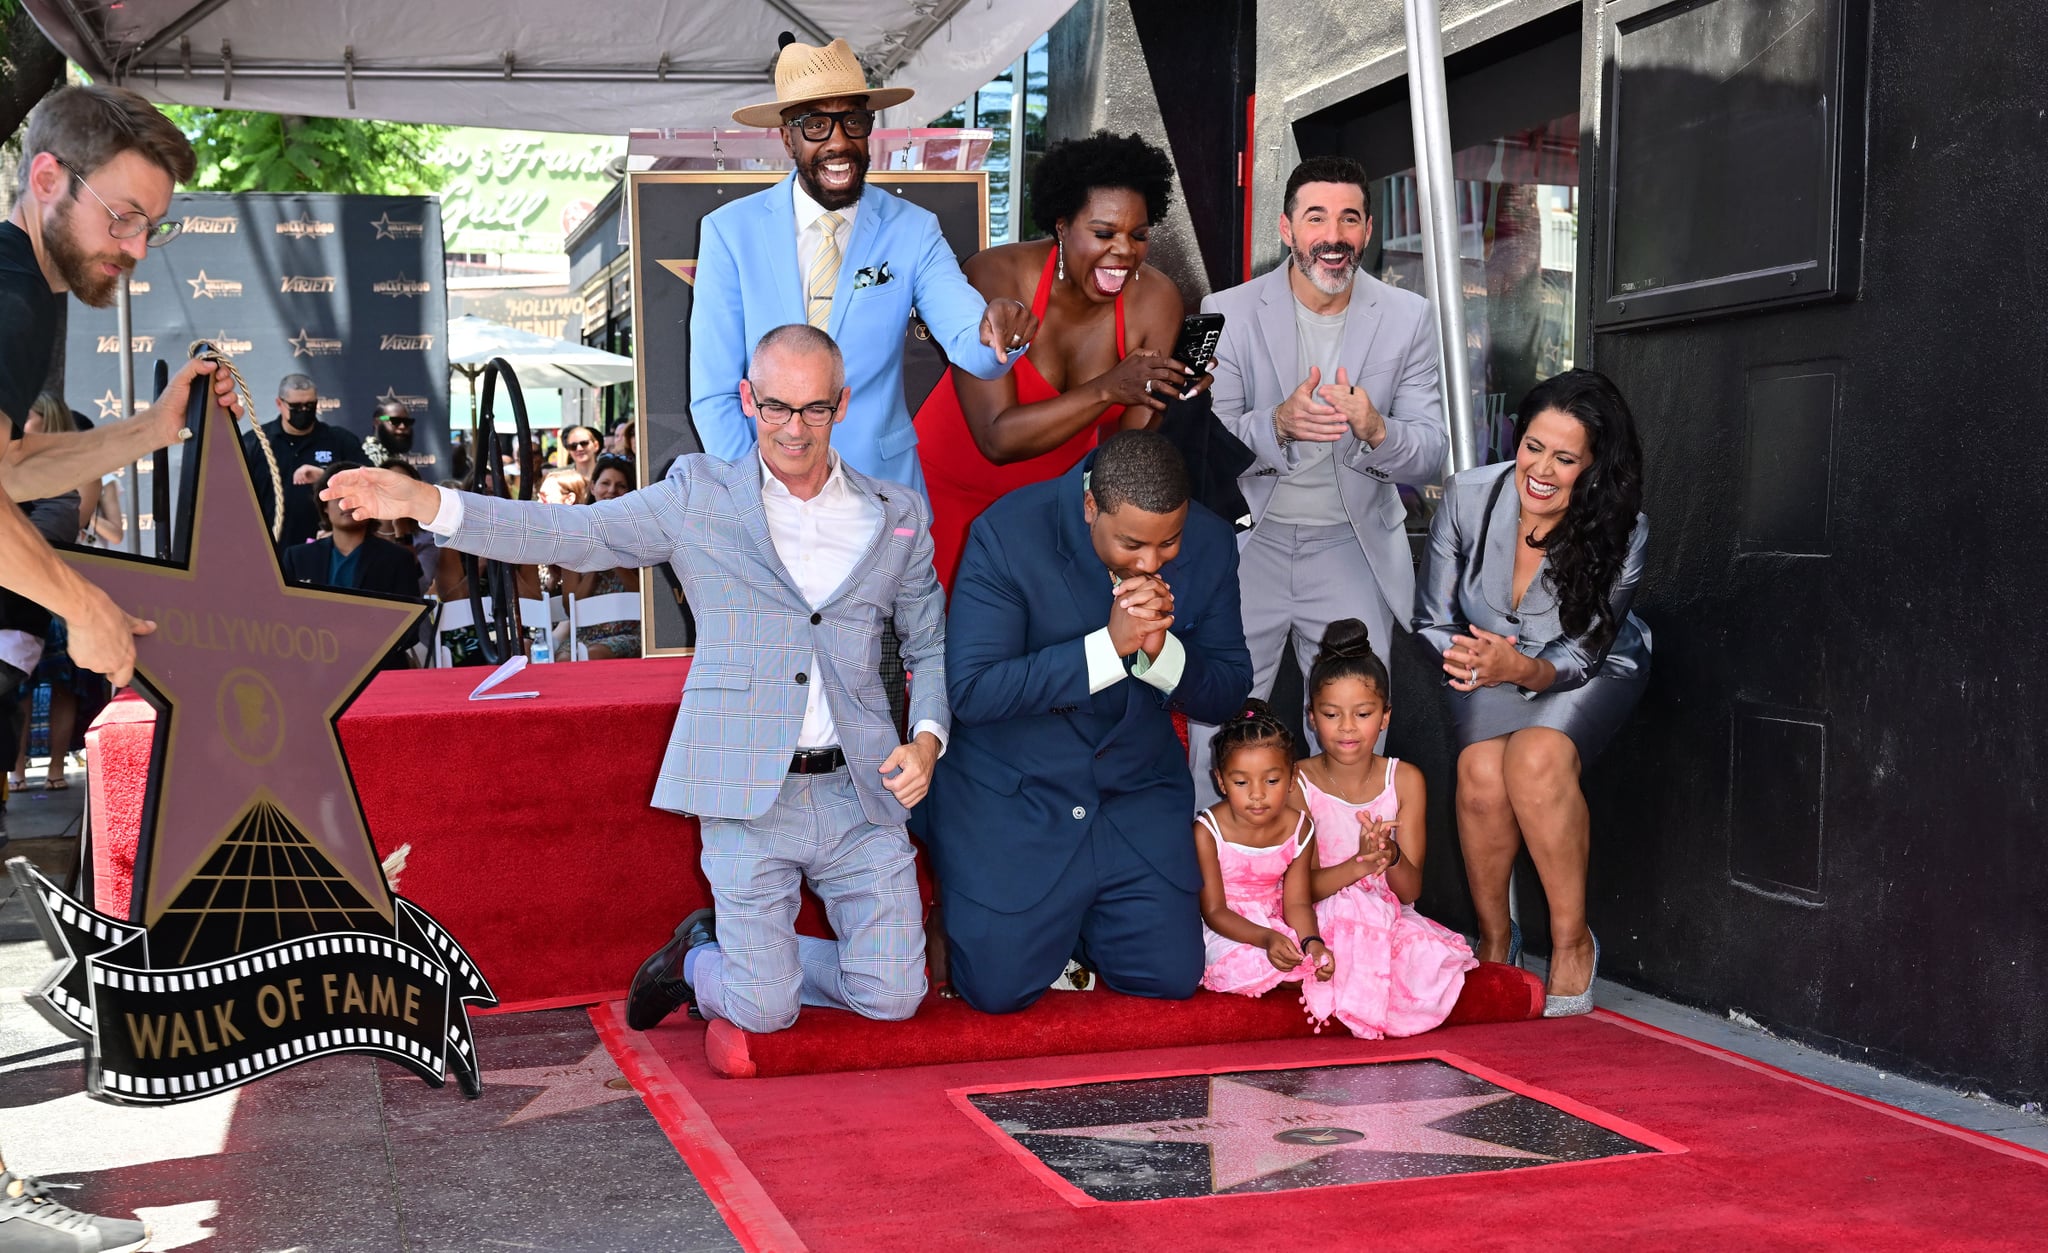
{"points": [[743, 703]]}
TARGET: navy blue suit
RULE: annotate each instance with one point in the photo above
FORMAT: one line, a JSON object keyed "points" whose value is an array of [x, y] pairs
{"points": [[1059, 820]]}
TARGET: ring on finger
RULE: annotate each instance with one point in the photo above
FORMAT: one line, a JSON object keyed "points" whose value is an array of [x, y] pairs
{"points": [[1148, 387], [1472, 675]]}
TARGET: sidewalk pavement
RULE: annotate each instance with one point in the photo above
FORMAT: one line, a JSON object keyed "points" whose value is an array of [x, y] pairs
{"points": [[558, 1153]]}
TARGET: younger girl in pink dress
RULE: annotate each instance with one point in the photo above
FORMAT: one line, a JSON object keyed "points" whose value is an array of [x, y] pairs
{"points": [[1255, 878], [1397, 972]]}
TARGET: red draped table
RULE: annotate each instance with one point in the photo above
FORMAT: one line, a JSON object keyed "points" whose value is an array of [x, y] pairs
{"points": [[531, 836]]}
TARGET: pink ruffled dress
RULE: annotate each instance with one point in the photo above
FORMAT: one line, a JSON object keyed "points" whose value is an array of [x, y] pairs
{"points": [[1398, 973], [1251, 887]]}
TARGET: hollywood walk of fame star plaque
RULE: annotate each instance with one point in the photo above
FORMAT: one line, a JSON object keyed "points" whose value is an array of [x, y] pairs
{"points": [[262, 933], [1280, 1129]]}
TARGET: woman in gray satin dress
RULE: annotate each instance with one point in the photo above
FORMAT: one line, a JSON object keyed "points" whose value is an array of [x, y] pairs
{"points": [[1525, 594]]}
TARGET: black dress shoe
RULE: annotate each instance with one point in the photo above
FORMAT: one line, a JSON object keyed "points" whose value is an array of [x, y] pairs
{"points": [[659, 988]]}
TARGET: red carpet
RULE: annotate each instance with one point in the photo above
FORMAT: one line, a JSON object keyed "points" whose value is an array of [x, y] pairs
{"points": [[945, 1030], [1771, 1161], [531, 836]]}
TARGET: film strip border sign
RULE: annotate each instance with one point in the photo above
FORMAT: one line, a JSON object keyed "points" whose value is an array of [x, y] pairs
{"points": [[158, 1035]]}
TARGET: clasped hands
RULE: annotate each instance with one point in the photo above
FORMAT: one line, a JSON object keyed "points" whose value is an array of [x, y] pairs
{"points": [[1479, 658], [1140, 616], [1318, 414]]}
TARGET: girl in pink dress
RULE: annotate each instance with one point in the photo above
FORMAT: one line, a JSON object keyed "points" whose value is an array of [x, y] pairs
{"points": [[1256, 916], [1397, 973]]}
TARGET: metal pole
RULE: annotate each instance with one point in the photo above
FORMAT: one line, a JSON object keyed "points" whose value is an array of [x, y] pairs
{"points": [[1429, 103], [124, 322], [1015, 227]]}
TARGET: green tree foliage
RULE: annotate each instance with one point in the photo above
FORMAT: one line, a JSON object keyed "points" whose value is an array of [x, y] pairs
{"points": [[241, 151]]}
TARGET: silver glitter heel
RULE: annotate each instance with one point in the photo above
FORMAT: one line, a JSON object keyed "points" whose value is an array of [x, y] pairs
{"points": [[1572, 1006]]}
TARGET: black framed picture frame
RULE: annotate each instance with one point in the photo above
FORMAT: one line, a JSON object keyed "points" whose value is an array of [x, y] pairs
{"points": [[1732, 156]]}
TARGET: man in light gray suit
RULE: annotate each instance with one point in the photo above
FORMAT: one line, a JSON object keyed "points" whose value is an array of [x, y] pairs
{"points": [[1329, 376], [784, 747]]}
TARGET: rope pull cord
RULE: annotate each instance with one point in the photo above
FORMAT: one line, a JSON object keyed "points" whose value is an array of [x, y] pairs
{"points": [[195, 419], [502, 634]]}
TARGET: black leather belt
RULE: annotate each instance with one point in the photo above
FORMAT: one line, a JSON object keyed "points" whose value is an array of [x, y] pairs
{"points": [[817, 760]]}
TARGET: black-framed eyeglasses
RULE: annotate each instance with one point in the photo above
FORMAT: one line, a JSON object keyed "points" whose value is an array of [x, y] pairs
{"points": [[128, 225], [817, 127], [817, 413]]}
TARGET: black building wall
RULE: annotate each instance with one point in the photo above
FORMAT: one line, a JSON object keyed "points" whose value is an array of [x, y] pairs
{"points": [[1829, 811]]}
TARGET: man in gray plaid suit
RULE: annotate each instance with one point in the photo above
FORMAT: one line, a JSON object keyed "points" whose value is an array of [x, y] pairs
{"points": [[784, 747]]}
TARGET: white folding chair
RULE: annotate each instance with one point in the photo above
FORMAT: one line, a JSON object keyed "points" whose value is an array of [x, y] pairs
{"points": [[590, 611], [452, 616]]}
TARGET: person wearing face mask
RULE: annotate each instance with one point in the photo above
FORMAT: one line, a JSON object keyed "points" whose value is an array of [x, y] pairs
{"points": [[825, 248], [1525, 596], [1329, 377], [306, 449], [1101, 361]]}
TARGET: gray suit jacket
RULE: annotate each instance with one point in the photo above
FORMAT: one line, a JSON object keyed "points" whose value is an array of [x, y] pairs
{"points": [[1390, 351], [1468, 580], [743, 703]]}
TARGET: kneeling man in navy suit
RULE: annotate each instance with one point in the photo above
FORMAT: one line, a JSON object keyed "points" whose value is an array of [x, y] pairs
{"points": [[1087, 611]]}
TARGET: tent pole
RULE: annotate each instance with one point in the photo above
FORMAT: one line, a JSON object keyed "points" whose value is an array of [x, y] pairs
{"points": [[1442, 255], [124, 323]]}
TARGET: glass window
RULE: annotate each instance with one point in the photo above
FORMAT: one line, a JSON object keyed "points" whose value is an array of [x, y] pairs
{"points": [[1518, 218], [1009, 165]]}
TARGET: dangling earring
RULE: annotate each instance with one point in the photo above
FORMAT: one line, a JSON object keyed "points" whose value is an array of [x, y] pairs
{"points": [[1062, 246]]}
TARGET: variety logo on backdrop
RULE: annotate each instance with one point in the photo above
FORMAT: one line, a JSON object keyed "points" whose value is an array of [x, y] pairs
{"points": [[136, 288], [305, 226], [196, 225], [307, 284], [406, 343], [141, 343], [388, 229], [402, 286], [304, 345], [211, 287], [327, 404]]}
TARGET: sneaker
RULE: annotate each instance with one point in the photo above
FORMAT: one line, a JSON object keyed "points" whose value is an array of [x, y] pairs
{"points": [[30, 1222]]}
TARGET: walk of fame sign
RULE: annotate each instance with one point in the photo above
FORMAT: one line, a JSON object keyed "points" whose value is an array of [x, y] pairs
{"points": [[1190, 1135], [263, 933]]}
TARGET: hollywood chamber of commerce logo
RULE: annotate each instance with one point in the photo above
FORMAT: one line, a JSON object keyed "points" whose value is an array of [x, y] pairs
{"points": [[141, 344], [402, 286], [388, 229], [195, 225], [211, 287], [306, 284], [305, 345], [305, 226], [406, 343], [415, 405], [230, 345]]}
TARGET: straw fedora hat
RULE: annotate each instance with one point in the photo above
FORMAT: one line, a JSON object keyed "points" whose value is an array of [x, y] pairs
{"points": [[805, 73]]}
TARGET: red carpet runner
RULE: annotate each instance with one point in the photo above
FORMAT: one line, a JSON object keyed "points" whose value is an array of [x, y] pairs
{"points": [[1768, 1160], [946, 1030]]}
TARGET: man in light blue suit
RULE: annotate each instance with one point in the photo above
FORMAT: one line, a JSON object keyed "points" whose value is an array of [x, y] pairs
{"points": [[784, 748], [823, 247]]}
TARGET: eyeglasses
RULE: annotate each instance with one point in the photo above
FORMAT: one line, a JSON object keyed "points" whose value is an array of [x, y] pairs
{"points": [[817, 127], [397, 421], [817, 413], [128, 225], [578, 445]]}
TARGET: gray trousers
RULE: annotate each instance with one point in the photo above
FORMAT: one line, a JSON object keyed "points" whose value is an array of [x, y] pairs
{"points": [[1298, 579], [761, 970]]}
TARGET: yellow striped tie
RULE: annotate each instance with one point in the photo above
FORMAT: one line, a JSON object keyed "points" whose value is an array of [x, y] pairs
{"points": [[824, 276]]}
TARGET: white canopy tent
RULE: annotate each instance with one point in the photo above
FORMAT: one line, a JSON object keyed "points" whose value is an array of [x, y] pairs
{"points": [[530, 64], [539, 362]]}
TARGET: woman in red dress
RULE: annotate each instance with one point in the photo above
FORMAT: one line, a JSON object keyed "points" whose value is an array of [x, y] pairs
{"points": [[1100, 362]]}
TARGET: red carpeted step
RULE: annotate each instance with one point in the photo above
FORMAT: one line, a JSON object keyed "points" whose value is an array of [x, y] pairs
{"points": [[946, 1030]]}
